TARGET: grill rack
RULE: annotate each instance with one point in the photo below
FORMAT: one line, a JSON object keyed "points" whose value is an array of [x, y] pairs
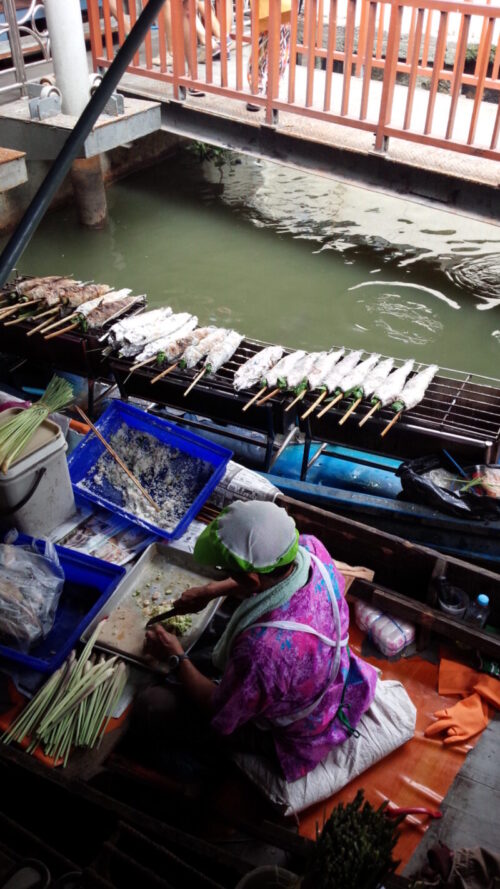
{"points": [[461, 410]]}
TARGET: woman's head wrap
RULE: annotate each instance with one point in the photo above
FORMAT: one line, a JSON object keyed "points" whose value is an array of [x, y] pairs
{"points": [[249, 536]]}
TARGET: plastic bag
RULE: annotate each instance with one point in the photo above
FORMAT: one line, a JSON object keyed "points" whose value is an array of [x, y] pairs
{"points": [[389, 634], [31, 581]]}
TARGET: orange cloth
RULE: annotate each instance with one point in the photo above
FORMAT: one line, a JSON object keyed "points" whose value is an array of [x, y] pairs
{"points": [[489, 689], [456, 678], [460, 722]]}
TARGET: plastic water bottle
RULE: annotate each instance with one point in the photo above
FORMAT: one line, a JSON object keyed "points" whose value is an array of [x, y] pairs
{"points": [[478, 612]]}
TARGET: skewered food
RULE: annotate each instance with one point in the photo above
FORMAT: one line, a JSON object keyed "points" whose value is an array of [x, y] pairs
{"points": [[195, 352], [222, 352], [359, 373], [415, 389], [132, 334], [366, 387], [344, 367], [176, 347], [323, 366], [389, 390], [176, 327], [253, 370], [278, 374]]}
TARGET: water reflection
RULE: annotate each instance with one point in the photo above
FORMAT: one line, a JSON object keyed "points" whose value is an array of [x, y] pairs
{"points": [[416, 323]]}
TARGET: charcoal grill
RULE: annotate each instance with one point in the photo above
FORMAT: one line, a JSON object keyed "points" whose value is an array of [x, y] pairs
{"points": [[84, 354], [461, 412], [213, 397]]}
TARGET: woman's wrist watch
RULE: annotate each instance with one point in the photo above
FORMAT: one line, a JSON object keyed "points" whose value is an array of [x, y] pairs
{"points": [[174, 661]]}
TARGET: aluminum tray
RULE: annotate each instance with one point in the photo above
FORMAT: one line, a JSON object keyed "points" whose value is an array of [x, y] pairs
{"points": [[123, 631]]}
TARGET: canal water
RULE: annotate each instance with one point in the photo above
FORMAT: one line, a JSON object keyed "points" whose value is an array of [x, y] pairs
{"points": [[292, 258]]}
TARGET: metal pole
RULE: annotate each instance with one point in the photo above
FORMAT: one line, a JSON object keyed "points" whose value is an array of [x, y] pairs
{"points": [[61, 166], [15, 44], [69, 54]]}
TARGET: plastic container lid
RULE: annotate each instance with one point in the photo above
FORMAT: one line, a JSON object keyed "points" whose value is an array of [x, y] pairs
{"points": [[483, 599]]}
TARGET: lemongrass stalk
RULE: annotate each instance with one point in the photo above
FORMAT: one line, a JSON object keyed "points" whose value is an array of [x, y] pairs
{"points": [[105, 704], [119, 691], [80, 691], [30, 713]]}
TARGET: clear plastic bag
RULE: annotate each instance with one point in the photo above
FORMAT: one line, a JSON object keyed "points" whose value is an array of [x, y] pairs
{"points": [[389, 634], [31, 581]]}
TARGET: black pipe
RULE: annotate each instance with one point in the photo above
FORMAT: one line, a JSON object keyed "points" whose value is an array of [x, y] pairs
{"points": [[62, 164]]}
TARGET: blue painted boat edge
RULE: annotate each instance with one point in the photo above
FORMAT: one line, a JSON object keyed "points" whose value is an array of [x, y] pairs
{"points": [[463, 538]]}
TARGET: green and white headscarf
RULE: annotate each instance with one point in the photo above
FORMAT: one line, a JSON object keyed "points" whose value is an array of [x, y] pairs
{"points": [[249, 536]]}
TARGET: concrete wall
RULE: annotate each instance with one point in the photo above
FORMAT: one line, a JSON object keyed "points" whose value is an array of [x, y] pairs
{"points": [[115, 164]]}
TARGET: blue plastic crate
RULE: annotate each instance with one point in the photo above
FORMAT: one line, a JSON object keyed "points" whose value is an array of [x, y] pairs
{"points": [[85, 456], [88, 585]]}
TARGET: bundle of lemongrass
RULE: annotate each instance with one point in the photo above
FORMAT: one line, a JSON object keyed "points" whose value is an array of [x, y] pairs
{"points": [[17, 432], [74, 706]]}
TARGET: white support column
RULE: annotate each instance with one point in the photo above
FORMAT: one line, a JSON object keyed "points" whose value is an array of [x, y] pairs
{"points": [[69, 54]]}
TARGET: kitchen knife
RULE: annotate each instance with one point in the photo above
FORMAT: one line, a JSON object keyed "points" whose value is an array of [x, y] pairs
{"points": [[161, 617]]}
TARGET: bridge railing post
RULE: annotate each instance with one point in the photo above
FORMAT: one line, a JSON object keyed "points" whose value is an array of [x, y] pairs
{"points": [[390, 70]]}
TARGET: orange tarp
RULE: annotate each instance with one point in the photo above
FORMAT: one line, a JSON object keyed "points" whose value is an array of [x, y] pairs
{"points": [[419, 773]]}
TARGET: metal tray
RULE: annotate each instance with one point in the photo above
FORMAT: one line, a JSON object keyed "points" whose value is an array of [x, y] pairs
{"points": [[123, 631]]}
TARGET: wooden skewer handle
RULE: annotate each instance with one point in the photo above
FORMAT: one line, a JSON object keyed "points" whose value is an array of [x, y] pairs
{"points": [[269, 395], [196, 379], [164, 373], [391, 424], [370, 413], [331, 404], [350, 411], [314, 405], [117, 458], [53, 324], [254, 399], [61, 331], [298, 398]]}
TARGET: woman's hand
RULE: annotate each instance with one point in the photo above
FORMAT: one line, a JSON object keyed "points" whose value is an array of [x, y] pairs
{"points": [[160, 644], [194, 599]]}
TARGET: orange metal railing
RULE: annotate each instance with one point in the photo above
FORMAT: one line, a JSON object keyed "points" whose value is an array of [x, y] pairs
{"points": [[370, 83]]}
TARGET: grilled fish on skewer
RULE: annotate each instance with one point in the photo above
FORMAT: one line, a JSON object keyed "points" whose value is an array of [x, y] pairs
{"points": [[177, 347], [389, 389], [334, 382], [194, 353], [131, 334], [371, 382], [176, 326], [412, 394], [253, 370], [319, 375], [220, 351], [278, 375]]}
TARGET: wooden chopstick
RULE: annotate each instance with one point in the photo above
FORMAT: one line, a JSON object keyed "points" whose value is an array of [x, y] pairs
{"points": [[117, 458]]}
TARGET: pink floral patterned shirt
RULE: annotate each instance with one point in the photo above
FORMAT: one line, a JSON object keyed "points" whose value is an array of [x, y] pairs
{"points": [[275, 673]]}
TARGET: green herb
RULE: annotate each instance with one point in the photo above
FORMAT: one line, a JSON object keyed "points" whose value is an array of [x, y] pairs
{"points": [[354, 849], [161, 357], [19, 430]]}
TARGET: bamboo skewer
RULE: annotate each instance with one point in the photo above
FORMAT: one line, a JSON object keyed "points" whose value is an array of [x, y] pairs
{"points": [[196, 379], [10, 311], [330, 404], [164, 373], [299, 397], [18, 320], [391, 424], [43, 325], [62, 330], [254, 399], [315, 404], [142, 364], [350, 411], [32, 317], [117, 458], [60, 321], [370, 413], [269, 395]]}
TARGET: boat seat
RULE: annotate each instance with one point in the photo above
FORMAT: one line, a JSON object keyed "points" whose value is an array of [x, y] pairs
{"points": [[388, 724]]}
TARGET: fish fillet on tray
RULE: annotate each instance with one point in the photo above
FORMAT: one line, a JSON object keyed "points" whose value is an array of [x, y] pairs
{"points": [[159, 578]]}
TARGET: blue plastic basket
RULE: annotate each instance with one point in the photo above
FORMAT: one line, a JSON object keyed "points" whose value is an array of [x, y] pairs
{"points": [[85, 456], [88, 585]]}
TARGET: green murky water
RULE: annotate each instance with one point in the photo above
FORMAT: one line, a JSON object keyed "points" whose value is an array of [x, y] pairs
{"points": [[288, 257]]}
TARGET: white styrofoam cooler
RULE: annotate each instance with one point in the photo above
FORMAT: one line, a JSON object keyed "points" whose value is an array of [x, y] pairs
{"points": [[36, 493]]}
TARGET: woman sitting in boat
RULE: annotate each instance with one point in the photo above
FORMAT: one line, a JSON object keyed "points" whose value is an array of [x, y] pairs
{"points": [[291, 689]]}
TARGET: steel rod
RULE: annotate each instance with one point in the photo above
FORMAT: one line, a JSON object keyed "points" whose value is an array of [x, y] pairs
{"points": [[61, 166]]}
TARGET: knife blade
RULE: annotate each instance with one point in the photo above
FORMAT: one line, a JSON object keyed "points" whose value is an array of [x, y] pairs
{"points": [[161, 617]]}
